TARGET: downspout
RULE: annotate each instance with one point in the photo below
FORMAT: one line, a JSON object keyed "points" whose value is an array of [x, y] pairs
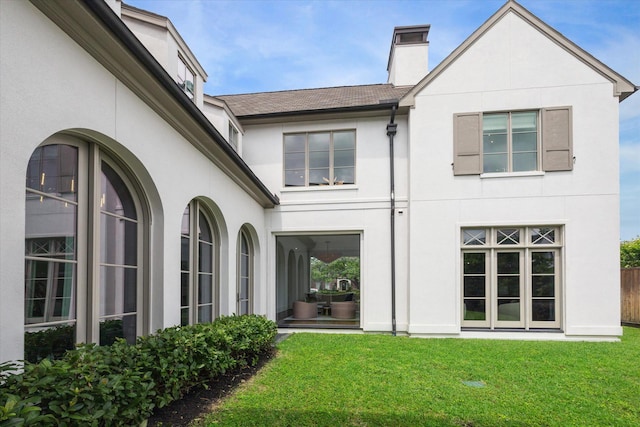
{"points": [[391, 132]]}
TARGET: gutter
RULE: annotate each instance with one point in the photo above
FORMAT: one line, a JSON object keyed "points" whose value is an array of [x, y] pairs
{"points": [[105, 14], [391, 133], [383, 105]]}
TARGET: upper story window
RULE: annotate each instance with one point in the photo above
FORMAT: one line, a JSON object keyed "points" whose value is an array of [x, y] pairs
{"points": [[233, 136], [186, 78], [510, 142], [319, 158], [516, 141]]}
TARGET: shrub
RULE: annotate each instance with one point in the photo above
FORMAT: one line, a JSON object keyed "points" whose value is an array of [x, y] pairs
{"points": [[121, 384], [630, 253]]}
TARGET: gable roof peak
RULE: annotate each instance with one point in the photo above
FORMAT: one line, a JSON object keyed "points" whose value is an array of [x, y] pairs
{"points": [[622, 87]]}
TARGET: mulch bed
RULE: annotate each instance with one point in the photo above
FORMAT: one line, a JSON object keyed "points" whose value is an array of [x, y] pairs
{"points": [[200, 401]]}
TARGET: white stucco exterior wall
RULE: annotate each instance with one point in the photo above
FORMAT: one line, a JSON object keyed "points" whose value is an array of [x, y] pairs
{"points": [[169, 169], [514, 67], [362, 208]]}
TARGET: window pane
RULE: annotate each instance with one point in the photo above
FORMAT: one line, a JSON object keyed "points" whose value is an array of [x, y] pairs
{"points": [[184, 254], [344, 176], [525, 142], [186, 225], [122, 327], [523, 162], [344, 140], [49, 217], [244, 307], [542, 236], [474, 237], [343, 158], [543, 286], [204, 231], [205, 313], [474, 286], [244, 265], [184, 290], [509, 309], [319, 177], [53, 169], [118, 290], [474, 263], [494, 143], [543, 262], [508, 286], [524, 121], [508, 236], [244, 288], [294, 160], [508, 263], [294, 178], [318, 159], [319, 141], [119, 241], [205, 260], [184, 316], [294, 143], [495, 123], [543, 310], [475, 309], [205, 288], [115, 197], [48, 343], [493, 163]]}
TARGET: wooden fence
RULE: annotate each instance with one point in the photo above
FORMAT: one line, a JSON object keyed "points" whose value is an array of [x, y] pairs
{"points": [[630, 295]]}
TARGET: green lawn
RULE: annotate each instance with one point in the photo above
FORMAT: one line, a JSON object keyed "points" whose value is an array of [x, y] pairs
{"points": [[380, 380]]}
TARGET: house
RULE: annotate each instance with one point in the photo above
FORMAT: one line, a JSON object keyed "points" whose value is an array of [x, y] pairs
{"points": [[478, 198]]}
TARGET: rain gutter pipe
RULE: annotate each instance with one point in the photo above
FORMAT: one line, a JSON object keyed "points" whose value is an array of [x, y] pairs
{"points": [[391, 133]]}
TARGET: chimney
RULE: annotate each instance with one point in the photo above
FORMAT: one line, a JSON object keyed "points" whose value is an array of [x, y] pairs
{"points": [[408, 59]]}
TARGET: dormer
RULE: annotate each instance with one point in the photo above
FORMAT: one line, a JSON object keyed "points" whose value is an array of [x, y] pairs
{"points": [[408, 58], [163, 41]]}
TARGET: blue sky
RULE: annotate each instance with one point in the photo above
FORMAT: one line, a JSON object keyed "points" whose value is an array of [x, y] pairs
{"points": [[250, 46]]}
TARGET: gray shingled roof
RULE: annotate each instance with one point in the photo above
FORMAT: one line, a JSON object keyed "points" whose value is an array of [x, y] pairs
{"points": [[308, 100]]}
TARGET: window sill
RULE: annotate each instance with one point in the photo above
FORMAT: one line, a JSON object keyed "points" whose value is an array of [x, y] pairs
{"points": [[511, 174], [319, 188]]}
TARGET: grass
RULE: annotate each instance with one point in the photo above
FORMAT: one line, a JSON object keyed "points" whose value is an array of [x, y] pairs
{"points": [[379, 380]]}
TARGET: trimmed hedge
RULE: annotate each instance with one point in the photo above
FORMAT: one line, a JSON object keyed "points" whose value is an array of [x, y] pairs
{"points": [[121, 385]]}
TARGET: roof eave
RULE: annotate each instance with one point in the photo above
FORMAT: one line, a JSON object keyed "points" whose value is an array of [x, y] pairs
{"points": [[92, 22]]}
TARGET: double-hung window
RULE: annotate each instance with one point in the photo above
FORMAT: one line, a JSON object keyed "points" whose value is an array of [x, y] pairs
{"points": [[513, 141], [511, 277], [319, 158], [510, 142]]}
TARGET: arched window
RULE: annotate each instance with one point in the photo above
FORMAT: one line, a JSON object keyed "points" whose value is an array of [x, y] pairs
{"points": [[245, 275], [198, 266], [84, 240]]}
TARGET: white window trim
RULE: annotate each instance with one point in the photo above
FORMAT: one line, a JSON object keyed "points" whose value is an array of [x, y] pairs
{"points": [[526, 248]]}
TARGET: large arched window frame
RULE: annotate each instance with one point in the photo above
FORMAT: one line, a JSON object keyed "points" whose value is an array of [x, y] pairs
{"points": [[86, 245], [199, 267], [244, 295]]}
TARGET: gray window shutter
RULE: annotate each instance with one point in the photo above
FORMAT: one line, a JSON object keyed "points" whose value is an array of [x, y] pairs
{"points": [[557, 139], [467, 144]]}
